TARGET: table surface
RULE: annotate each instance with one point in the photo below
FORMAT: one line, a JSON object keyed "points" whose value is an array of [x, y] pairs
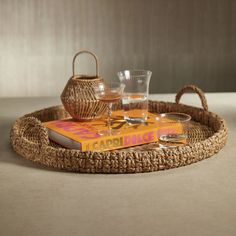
{"points": [[194, 200]]}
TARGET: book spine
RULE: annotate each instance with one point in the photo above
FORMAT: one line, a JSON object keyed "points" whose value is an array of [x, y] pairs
{"points": [[121, 141]]}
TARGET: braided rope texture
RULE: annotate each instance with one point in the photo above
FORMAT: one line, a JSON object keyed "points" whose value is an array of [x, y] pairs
{"points": [[208, 136], [192, 88]]}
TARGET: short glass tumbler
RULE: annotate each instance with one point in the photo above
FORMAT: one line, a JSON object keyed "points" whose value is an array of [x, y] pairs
{"points": [[172, 129], [135, 95]]}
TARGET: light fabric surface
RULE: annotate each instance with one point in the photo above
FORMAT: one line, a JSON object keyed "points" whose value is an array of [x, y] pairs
{"points": [[194, 200]]}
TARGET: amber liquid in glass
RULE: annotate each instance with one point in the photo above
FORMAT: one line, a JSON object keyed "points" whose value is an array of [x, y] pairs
{"points": [[111, 97]]}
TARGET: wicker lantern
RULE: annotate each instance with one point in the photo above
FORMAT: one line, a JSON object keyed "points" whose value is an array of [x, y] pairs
{"points": [[78, 95]]}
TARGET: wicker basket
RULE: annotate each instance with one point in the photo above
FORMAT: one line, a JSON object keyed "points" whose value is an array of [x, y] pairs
{"points": [[78, 95], [208, 134]]}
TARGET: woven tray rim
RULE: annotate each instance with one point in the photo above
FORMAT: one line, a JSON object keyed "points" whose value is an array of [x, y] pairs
{"points": [[107, 162]]}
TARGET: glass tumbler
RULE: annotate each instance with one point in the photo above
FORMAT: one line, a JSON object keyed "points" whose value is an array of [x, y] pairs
{"points": [[172, 129], [135, 95]]}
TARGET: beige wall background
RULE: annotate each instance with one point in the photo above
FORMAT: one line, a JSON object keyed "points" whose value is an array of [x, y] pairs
{"points": [[181, 41]]}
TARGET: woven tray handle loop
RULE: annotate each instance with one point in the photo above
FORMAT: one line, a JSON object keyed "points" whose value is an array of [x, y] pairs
{"points": [[34, 130], [192, 88], [81, 52]]}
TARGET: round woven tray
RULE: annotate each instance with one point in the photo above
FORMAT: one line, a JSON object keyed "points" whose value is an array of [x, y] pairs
{"points": [[207, 135]]}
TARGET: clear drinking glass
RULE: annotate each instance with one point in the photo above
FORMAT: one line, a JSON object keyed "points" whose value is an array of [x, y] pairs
{"points": [[172, 129], [109, 93], [135, 96]]}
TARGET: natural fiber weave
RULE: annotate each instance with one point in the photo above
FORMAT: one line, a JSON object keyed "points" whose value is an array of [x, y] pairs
{"points": [[208, 134], [78, 96]]}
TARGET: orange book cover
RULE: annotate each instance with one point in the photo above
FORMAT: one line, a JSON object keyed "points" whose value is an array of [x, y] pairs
{"points": [[85, 135]]}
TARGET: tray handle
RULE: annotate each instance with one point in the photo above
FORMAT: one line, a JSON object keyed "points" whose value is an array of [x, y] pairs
{"points": [[193, 88], [81, 52], [34, 128]]}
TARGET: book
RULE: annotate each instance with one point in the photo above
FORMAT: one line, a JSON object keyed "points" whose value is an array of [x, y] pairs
{"points": [[85, 135]]}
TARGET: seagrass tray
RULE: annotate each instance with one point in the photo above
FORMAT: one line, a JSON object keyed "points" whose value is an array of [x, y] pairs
{"points": [[207, 136]]}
